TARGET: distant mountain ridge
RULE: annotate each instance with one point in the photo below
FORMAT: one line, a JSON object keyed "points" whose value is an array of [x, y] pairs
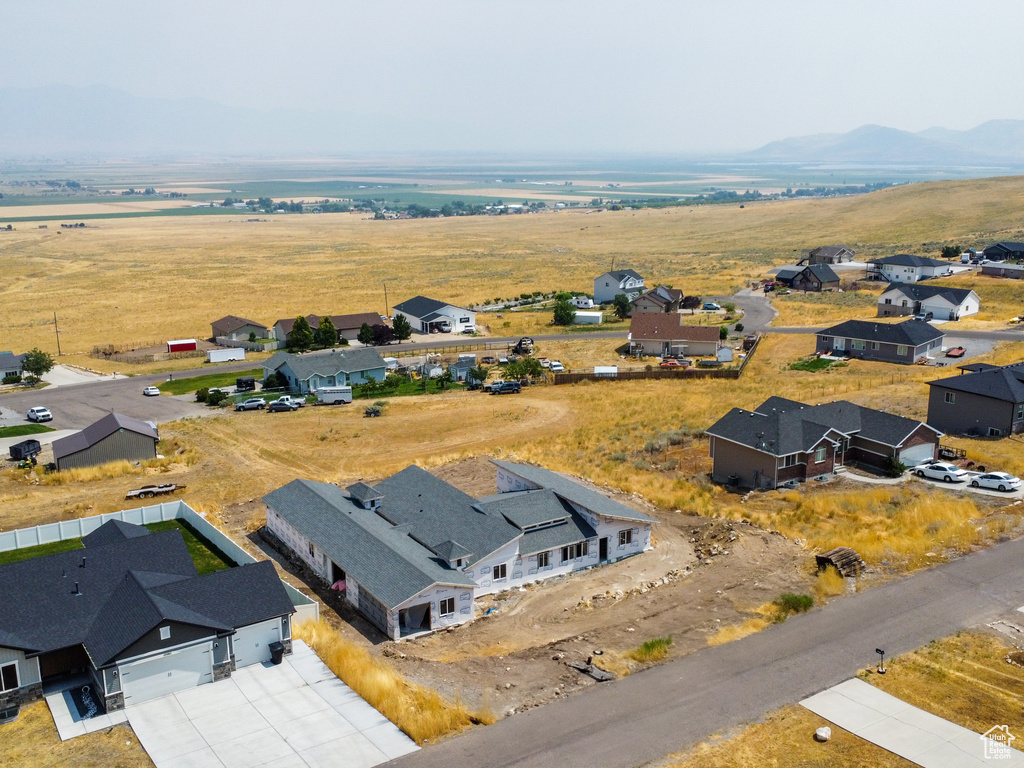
{"points": [[993, 142]]}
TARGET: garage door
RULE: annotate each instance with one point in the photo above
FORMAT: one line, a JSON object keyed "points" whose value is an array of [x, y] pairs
{"points": [[917, 454], [172, 672], [252, 643]]}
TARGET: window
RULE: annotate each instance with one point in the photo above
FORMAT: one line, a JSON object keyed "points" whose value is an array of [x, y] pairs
{"points": [[993, 432], [575, 551], [9, 676], [447, 606], [165, 633], [888, 301], [856, 344], [901, 350], [819, 453], [458, 563], [463, 319], [500, 571], [874, 345], [310, 545], [1020, 411], [625, 538], [543, 559], [951, 398], [789, 461]]}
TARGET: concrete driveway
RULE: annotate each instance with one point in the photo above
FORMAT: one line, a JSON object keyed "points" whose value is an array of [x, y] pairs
{"points": [[294, 714]]}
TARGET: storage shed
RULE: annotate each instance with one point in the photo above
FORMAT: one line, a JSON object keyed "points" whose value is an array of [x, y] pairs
{"points": [[591, 318], [182, 345], [115, 437]]}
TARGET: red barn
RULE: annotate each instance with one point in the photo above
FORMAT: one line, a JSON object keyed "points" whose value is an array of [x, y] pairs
{"points": [[182, 345]]}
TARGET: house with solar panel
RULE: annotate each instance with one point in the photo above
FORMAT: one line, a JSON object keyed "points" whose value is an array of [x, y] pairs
{"points": [[412, 552]]}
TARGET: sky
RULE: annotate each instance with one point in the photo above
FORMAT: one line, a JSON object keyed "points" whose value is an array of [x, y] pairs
{"points": [[638, 76]]}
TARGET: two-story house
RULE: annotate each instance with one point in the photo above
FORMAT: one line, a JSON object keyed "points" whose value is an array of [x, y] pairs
{"points": [[986, 400], [412, 552], [784, 440], [943, 302], [658, 299], [906, 268], [611, 284]]}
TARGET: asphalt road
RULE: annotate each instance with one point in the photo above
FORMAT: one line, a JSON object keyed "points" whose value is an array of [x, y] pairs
{"points": [[664, 709]]}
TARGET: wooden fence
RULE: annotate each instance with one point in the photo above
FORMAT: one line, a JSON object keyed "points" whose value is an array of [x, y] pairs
{"points": [[661, 373]]}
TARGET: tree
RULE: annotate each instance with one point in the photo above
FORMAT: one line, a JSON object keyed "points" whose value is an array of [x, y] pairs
{"points": [[301, 336], [365, 335], [951, 252], [690, 302], [723, 332], [252, 336], [382, 334], [565, 313], [326, 335], [478, 374], [402, 327], [621, 306], [35, 363], [445, 379], [276, 380]]}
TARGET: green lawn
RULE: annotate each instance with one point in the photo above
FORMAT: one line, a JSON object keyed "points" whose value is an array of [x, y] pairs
{"points": [[24, 429], [205, 556], [814, 364], [405, 389], [209, 380]]}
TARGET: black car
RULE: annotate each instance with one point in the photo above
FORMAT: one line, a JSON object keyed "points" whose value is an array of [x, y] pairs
{"points": [[507, 388], [277, 405]]}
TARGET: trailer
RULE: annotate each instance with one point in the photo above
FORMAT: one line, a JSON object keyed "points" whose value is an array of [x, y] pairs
{"points": [[224, 355], [330, 395], [26, 450], [149, 491]]}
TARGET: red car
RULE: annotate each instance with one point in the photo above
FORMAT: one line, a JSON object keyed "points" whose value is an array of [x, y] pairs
{"points": [[671, 364]]}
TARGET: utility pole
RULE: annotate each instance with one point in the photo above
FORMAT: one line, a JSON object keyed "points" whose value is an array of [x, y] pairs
{"points": [[387, 307], [57, 331]]}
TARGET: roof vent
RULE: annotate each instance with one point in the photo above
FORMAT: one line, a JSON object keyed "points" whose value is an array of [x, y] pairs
{"points": [[63, 573], [83, 561], [77, 590]]}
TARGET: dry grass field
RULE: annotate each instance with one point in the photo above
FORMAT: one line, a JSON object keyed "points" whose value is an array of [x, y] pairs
{"points": [[140, 279], [965, 679]]}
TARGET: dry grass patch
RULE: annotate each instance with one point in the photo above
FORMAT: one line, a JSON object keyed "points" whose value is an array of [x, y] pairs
{"points": [[419, 712], [32, 742], [798, 308], [828, 583], [732, 632]]}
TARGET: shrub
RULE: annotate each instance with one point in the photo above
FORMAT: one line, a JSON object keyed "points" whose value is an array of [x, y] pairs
{"points": [[723, 333], [202, 394], [894, 467], [655, 649], [739, 327], [216, 396], [788, 603], [12, 378]]}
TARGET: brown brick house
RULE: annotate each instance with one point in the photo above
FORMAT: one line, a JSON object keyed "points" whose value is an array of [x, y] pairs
{"points": [[783, 440], [663, 334]]}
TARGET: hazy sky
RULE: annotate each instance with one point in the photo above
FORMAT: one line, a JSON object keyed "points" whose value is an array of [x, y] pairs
{"points": [[630, 75]]}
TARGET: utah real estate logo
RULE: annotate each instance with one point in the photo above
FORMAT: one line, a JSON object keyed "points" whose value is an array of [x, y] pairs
{"points": [[998, 743]]}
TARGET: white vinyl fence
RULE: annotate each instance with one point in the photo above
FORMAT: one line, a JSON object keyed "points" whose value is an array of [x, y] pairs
{"points": [[169, 510]]}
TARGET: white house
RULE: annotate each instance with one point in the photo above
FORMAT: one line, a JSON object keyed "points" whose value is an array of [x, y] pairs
{"points": [[610, 284], [943, 302], [335, 368], [905, 268], [433, 316], [412, 552]]}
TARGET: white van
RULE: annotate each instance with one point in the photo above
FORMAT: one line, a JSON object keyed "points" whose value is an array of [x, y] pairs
{"points": [[334, 394]]}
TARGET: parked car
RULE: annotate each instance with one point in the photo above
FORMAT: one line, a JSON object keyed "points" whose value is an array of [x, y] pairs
{"points": [[486, 360], [490, 386], [151, 392], [282, 405], [710, 305], [1000, 481], [939, 470], [298, 402], [924, 316], [507, 388], [245, 384], [252, 404], [39, 413], [544, 362], [670, 363], [556, 367]]}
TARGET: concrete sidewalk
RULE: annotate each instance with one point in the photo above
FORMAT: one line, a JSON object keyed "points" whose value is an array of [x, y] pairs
{"points": [[907, 731]]}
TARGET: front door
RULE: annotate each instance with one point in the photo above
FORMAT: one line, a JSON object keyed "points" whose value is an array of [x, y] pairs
{"points": [[602, 547]]}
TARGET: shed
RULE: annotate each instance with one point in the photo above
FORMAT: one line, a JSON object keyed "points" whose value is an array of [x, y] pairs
{"points": [[588, 318], [115, 437], [724, 355], [182, 345]]}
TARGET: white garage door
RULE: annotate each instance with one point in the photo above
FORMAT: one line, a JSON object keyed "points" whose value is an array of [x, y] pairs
{"points": [[917, 454], [172, 672], [252, 643]]}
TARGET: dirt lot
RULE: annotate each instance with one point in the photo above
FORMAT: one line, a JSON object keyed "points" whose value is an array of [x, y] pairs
{"points": [[516, 657]]}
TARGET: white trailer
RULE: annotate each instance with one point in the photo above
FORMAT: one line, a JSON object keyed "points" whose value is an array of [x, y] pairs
{"points": [[583, 318], [334, 394], [224, 355]]}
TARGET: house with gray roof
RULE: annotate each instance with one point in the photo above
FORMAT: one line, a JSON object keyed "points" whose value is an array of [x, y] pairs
{"points": [[986, 400], [1004, 251], [611, 284], [783, 441], [433, 316], [904, 342], [661, 298], [831, 254], [412, 552], [906, 268], [234, 328], [813, 277], [308, 372], [10, 364], [115, 437], [129, 613], [944, 302]]}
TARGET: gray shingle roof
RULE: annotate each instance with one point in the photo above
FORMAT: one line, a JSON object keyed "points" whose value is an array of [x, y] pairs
{"points": [[97, 431], [909, 260], [823, 272], [127, 587], [421, 306], [912, 333], [526, 509], [574, 529], [10, 361], [622, 274], [382, 557], [780, 427], [112, 532], [327, 363], [786, 274], [572, 491], [1006, 383], [230, 323], [920, 292], [363, 492], [830, 251]]}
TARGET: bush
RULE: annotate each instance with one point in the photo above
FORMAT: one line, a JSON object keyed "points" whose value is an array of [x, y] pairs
{"points": [[12, 378], [739, 327], [788, 603], [723, 333], [894, 467], [216, 396], [652, 650], [202, 394]]}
